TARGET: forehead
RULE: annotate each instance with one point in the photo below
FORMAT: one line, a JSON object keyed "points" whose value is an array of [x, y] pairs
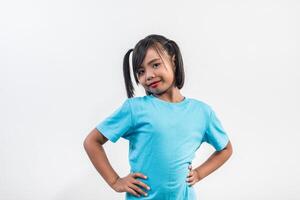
{"points": [[152, 54]]}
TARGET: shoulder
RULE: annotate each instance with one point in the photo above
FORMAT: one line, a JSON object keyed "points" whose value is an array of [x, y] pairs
{"points": [[136, 100], [200, 103], [139, 99], [137, 103]]}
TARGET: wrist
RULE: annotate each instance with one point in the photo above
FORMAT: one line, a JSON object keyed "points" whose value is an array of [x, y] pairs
{"points": [[199, 173], [112, 183]]}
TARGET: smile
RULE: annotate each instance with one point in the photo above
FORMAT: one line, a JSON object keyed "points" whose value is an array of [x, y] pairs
{"points": [[154, 85]]}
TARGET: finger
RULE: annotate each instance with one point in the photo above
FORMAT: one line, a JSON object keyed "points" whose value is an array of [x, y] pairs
{"points": [[137, 189], [131, 191], [192, 183], [189, 179], [190, 174], [137, 174], [141, 184]]}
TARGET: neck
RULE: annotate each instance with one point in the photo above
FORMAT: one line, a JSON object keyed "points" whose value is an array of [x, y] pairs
{"points": [[173, 95]]}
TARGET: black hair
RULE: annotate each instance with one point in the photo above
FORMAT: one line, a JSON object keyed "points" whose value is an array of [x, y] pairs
{"points": [[159, 43]]}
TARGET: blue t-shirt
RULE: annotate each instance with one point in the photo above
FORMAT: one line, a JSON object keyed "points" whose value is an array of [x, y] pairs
{"points": [[163, 138]]}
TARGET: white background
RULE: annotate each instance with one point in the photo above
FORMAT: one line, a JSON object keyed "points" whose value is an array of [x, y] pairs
{"points": [[61, 74]]}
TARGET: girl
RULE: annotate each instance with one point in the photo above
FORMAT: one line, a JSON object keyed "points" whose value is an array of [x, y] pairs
{"points": [[164, 128]]}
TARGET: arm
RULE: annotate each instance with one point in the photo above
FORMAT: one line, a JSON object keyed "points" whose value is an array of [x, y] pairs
{"points": [[93, 146], [217, 159]]}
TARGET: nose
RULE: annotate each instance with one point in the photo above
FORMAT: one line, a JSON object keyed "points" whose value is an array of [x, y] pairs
{"points": [[149, 75]]}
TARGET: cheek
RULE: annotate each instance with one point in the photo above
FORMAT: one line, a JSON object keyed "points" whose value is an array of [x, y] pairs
{"points": [[169, 77], [141, 80], [143, 83]]}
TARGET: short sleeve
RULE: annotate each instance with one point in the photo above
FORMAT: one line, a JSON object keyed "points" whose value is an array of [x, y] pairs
{"points": [[117, 124], [215, 134]]}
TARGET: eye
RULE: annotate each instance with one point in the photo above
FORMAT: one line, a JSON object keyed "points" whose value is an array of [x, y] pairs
{"points": [[140, 72], [156, 64]]}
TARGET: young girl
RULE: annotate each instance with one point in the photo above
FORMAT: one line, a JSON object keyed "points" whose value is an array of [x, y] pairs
{"points": [[164, 128]]}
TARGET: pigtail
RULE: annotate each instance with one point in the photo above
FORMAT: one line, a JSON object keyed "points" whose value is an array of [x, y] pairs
{"points": [[126, 74]]}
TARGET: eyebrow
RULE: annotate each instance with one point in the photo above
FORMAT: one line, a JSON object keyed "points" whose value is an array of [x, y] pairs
{"points": [[151, 61]]}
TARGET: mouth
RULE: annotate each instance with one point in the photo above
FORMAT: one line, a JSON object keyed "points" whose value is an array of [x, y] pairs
{"points": [[154, 84]]}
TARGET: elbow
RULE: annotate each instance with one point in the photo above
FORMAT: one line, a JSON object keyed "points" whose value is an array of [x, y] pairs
{"points": [[228, 149], [86, 143], [230, 152]]}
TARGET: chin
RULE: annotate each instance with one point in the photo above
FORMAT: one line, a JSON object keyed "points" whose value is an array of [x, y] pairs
{"points": [[159, 92]]}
